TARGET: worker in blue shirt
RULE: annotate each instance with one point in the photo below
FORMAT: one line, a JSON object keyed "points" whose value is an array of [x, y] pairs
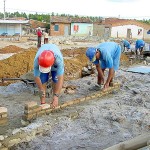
{"points": [[49, 60], [139, 45], [126, 45], [105, 55]]}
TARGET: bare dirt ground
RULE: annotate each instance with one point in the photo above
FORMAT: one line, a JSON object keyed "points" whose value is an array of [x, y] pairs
{"points": [[94, 125]]}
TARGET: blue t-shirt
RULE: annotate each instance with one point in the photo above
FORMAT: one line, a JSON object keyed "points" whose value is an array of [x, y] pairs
{"points": [[139, 44], [109, 55], [58, 65], [126, 44]]}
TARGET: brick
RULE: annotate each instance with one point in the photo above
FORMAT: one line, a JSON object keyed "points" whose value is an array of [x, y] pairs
{"points": [[30, 105], [82, 99], [70, 103], [87, 98], [76, 101], [3, 110], [48, 111], [93, 96], [3, 121], [30, 116], [45, 106], [41, 113], [63, 105], [34, 110], [4, 115]]}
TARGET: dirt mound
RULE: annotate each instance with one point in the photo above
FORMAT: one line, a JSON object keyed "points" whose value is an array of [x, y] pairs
{"points": [[17, 64], [11, 49]]}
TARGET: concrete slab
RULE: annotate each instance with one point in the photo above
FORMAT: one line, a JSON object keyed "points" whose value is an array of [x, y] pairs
{"points": [[139, 69]]}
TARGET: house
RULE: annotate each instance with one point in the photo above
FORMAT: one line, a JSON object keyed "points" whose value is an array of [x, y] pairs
{"points": [[76, 26], [13, 27], [60, 26], [130, 29]]}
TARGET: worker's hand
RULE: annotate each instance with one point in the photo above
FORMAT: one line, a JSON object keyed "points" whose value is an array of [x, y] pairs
{"points": [[54, 103], [42, 95], [106, 86], [100, 80]]}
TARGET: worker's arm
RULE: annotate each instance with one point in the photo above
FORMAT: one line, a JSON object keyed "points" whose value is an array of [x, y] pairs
{"points": [[56, 90], [109, 78], [39, 83], [42, 89], [100, 74], [58, 85]]}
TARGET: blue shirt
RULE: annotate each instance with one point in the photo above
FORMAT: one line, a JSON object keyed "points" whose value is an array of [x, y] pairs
{"points": [[109, 55], [139, 44], [126, 44], [58, 65]]}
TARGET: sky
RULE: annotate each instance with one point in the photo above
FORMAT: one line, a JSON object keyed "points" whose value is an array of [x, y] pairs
{"points": [[130, 9]]}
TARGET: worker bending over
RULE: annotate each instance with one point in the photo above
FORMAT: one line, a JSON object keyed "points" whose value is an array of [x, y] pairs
{"points": [[105, 55], [139, 45], [49, 61]]}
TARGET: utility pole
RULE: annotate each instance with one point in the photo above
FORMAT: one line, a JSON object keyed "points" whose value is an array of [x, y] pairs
{"points": [[4, 9]]}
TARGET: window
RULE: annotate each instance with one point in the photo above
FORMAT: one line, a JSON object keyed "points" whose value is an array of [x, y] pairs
{"points": [[148, 32], [139, 31], [56, 28]]}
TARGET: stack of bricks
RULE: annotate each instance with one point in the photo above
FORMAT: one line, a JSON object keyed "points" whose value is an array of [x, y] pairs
{"points": [[32, 110], [3, 116]]}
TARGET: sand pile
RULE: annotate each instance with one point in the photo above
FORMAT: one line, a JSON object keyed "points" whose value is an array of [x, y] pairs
{"points": [[11, 49]]}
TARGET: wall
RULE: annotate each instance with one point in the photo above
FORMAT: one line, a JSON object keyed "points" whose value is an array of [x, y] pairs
{"points": [[84, 29], [11, 29], [121, 31], [146, 36], [98, 30], [62, 28]]}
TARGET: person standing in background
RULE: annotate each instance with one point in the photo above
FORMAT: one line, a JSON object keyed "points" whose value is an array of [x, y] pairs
{"points": [[45, 37], [39, 34]]}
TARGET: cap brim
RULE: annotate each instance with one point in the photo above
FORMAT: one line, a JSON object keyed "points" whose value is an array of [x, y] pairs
{"points": [[44, 70]]}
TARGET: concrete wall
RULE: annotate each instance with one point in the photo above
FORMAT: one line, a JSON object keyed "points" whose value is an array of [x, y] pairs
{"points": [[84, 29], [121, 31], [62, 29], [11, 29], [146, 36], [98, 30]]}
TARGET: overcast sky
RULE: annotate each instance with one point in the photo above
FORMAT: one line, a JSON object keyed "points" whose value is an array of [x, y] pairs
{"points": [[104, 8]]}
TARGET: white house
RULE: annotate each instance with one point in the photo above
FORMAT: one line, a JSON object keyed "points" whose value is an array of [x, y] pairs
{"points": [[12, 27], [131, 29]]}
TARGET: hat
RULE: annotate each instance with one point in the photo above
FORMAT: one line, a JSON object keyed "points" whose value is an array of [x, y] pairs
{"points": [[44, 69], [90, 53], [46, 60]]}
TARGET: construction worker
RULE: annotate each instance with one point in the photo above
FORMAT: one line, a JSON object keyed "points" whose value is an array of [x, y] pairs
{"points": [[139, 45], [105, 55], [49, 60], [39, 35], [126, 45]]}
